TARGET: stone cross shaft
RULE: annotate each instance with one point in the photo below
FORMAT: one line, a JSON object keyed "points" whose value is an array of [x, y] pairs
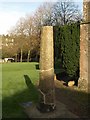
{"points": [[46, 82]]}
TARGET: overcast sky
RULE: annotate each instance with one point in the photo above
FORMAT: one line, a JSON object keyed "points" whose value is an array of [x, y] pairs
{"points": [[12, 10]]}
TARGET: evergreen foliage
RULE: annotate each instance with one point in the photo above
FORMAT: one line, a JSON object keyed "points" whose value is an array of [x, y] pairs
{"points": [[67, 40]]}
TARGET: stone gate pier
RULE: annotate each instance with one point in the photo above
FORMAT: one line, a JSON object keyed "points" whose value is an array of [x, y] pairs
{"points": [[84, 47]]}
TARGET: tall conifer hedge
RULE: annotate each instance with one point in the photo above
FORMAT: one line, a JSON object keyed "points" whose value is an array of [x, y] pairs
{"points": [[67, 38]]}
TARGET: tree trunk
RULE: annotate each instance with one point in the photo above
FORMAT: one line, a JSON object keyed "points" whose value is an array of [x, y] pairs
{"points": [[46, 83], [21, 56], [16, 57], [28, 56]]}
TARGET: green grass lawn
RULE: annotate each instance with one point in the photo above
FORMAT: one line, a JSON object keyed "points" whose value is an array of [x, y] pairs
{"points": [[15, 90], [18, 83]]}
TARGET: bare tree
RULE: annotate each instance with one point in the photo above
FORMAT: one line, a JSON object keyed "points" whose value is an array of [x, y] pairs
{"points": [[20, 37], [65, 12], [43, 14], [28, 29]]}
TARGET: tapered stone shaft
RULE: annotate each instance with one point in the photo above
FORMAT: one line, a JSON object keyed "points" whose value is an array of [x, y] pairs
{"points": [[84, 45], [46, 83]]}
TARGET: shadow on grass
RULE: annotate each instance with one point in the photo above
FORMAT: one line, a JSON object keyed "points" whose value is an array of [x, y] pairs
{"points": [[76, 101], [11, 105], [32, 88]]}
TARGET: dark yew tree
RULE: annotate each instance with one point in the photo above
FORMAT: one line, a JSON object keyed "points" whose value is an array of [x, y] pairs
{"points": [[68, 39]]}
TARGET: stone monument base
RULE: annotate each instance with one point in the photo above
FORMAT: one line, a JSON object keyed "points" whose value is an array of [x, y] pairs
{"points": [[60, 112]]}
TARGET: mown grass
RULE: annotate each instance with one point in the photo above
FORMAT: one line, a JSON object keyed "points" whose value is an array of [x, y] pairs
{"points": [[18, 80], [15, 90]]}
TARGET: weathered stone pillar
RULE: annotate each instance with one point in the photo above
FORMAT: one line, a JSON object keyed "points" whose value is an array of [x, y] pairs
{"points": [[84, 43], [46, 83]]}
